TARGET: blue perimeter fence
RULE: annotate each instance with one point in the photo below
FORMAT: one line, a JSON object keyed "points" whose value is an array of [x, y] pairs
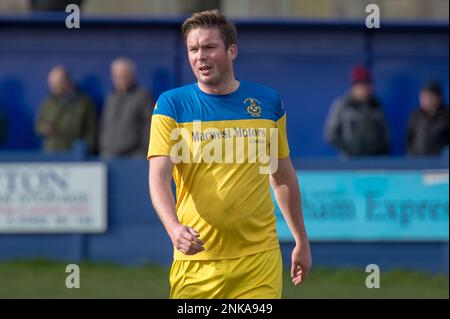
{"points": [[135, 235]]}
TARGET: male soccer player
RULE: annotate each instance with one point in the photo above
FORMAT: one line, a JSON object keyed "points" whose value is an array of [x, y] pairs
{"points": [[212, 136]]}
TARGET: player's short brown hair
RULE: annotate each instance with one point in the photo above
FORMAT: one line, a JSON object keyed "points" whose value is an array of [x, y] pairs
{"points": [[211, 19]]}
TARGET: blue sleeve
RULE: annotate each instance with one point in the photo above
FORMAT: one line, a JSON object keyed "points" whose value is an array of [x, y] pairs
{"points": [[164, 106]]}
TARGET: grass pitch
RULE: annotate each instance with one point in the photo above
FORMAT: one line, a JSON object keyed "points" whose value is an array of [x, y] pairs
{"points": [[46, 279]]}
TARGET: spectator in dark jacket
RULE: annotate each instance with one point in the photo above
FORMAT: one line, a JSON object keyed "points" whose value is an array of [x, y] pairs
{"points": [[428, 125], [125, 121], [356, 125]]}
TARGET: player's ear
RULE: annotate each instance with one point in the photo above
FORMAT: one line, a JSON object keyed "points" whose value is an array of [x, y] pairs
{"points": [[232, 51]]}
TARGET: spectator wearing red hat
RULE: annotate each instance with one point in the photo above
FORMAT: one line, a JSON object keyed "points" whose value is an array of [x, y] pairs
{"points": [[356, 125], [428, 125]]}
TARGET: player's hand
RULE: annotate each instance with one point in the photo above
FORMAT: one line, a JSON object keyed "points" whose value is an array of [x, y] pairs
{"points": [[186, 239], [301, 263]]}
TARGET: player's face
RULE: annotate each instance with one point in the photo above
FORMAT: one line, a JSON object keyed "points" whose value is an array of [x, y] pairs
{"points": [[210, 61]]}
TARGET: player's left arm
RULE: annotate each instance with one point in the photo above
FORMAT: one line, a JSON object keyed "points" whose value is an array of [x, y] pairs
{"points": [[287, 193]]}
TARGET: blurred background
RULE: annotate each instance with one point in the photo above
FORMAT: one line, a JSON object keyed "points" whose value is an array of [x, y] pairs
{"points": [[325, 9], [85, 204]]}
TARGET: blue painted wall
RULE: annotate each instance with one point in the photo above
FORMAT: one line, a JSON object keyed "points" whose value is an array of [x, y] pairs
{"points": [[307, 62], [136, 236]]}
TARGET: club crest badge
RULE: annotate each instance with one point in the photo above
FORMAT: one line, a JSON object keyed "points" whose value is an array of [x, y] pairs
{"points": [[253, 106]]}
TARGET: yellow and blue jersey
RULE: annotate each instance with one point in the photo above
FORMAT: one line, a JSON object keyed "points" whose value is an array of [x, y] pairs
{"points": [[218, 143]]}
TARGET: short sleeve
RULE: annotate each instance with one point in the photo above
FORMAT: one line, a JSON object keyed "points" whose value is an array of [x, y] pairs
{"points": [[163, 123], [283, 145]]}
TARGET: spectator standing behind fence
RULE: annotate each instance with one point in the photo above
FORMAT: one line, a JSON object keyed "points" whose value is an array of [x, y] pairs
{"points": [[125, 121], [66, 115], [428, 125], [356, 125]]}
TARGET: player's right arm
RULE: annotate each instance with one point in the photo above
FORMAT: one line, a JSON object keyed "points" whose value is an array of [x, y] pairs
{"points": [[184, 238]]}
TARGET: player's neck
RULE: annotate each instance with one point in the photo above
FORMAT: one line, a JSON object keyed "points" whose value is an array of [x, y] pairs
{"points": [[226, 87]]}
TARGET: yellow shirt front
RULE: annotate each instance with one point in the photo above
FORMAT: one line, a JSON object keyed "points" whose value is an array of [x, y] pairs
{"points": [[222, 147]]}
